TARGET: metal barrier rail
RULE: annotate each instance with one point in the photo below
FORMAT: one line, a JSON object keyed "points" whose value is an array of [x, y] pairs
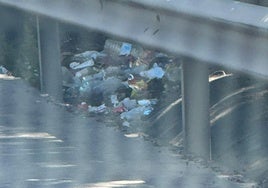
{"points": [[224, 33], [220, 32]]}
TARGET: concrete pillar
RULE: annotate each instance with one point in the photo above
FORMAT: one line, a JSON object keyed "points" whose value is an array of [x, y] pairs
{"points": [[195, 96], [49, 57]]}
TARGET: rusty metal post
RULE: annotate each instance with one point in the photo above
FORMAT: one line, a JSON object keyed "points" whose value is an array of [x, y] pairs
{"points": [[195, 96], [49, 57]]}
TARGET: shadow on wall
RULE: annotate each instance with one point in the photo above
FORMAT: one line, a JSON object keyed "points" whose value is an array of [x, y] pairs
{"points": [[18, 44], [239, 127], [239, 119], [255, 2]]}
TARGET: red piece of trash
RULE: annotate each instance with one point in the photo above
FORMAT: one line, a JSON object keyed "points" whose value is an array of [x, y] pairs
{"points": [[119, 109]]}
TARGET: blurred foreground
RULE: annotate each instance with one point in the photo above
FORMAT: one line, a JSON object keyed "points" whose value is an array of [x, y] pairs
{"points": [[43, 145]]}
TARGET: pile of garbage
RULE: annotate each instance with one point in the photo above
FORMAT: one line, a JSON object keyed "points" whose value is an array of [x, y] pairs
{"points": [[124, 80]]}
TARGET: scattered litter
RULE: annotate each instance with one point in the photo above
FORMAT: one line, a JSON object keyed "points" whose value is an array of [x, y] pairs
{"points": [[129, 103], [83, 106], [118, 48], [126, 124], [44, 95], [88, 63], [218, 75], [97, 109], [133, 135], [144, 102], [81, 73], [137, 84], [68, 80], [125, 49], [87, 55], [119, 109], [135, 113], [155, 72], [73, 65], [114, 100], [147, 111]]}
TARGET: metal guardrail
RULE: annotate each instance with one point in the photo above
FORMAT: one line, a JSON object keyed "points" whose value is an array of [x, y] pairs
{"points": [[227, 33]]}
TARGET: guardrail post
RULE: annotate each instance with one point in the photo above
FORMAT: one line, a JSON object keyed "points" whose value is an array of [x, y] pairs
{"points": [[195, 100], [49, 57]]}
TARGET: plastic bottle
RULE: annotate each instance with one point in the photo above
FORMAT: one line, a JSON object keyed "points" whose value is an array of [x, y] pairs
{"points": [[118, 47], [154, 72], [82, 72], [87, 55], [144, 102], [133, 114], [129, 104], [88, 63]]}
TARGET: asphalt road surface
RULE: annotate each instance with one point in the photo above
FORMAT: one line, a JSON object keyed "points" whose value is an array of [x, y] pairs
{"points": [[43, 145]]}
